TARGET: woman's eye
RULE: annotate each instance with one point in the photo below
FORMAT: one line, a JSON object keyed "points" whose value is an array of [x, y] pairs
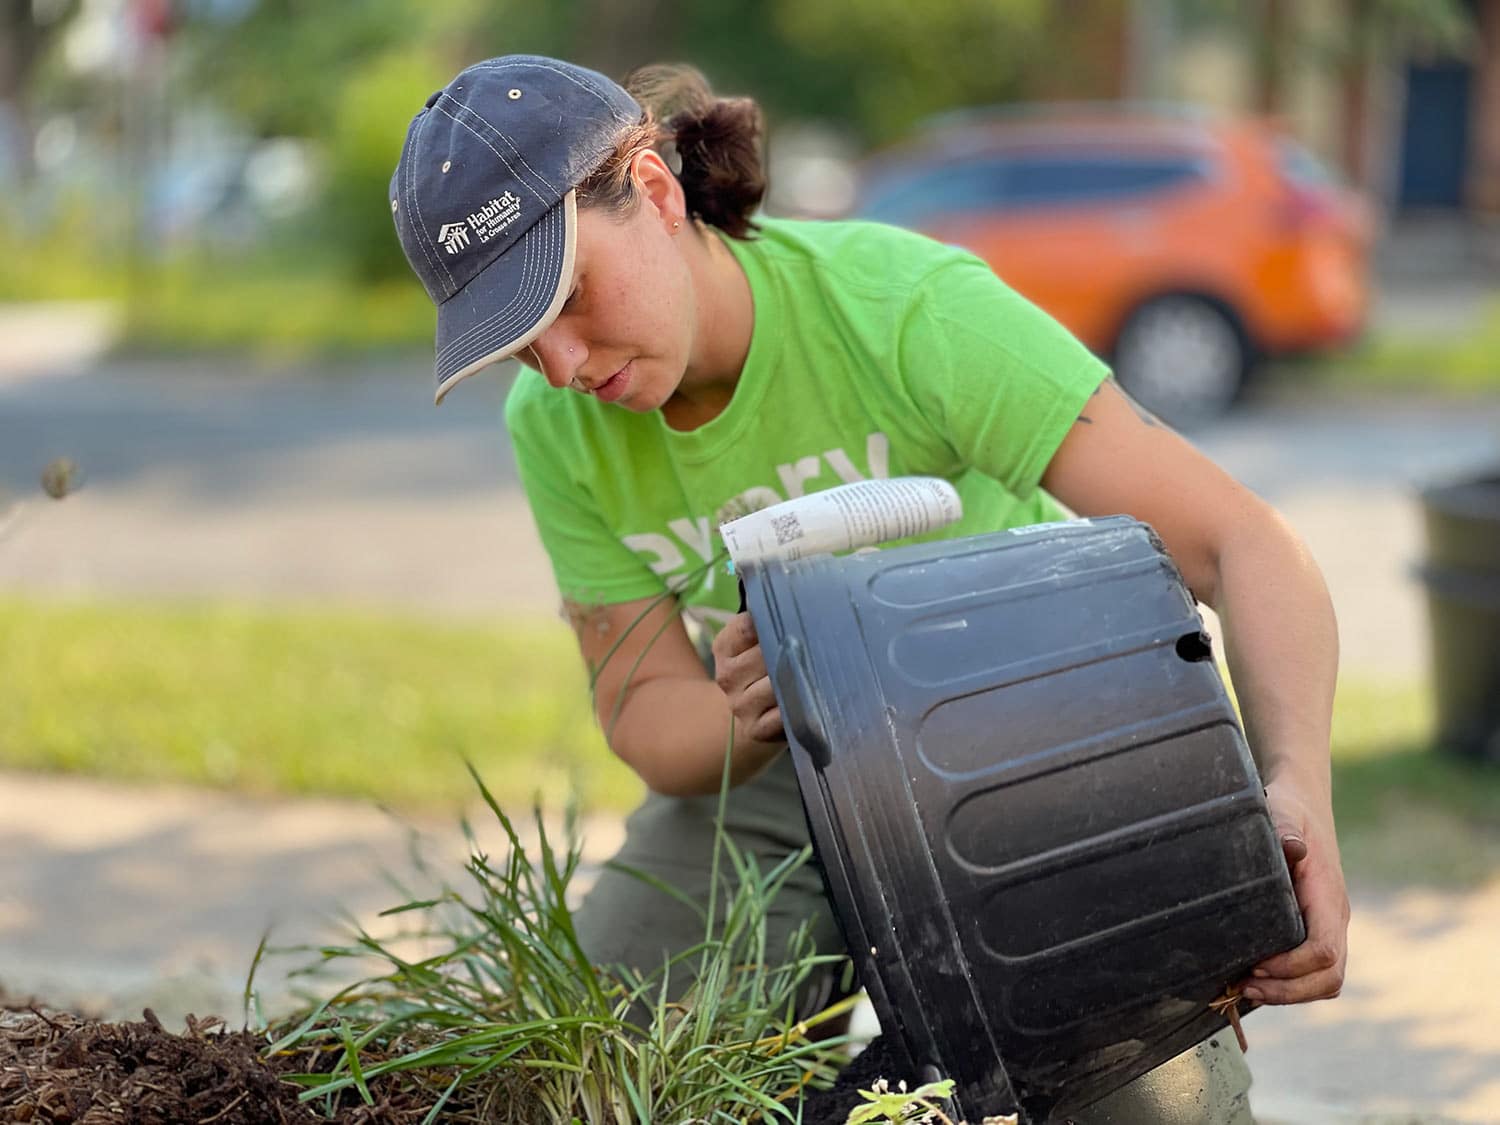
{"points": [[572, 298]]}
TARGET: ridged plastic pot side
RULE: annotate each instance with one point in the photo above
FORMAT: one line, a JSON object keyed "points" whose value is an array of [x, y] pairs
{"points": [[1040, 825]]}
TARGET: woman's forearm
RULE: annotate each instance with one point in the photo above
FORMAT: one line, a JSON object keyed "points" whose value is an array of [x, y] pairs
{"points": [[675, 732], [1283, 654], [1281, 642]]}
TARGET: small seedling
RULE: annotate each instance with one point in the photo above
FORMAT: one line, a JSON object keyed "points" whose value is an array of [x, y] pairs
{"points": [[911, 1107]]}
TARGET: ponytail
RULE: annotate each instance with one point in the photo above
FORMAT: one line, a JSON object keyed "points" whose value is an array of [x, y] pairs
{"points": [[713, 145]]}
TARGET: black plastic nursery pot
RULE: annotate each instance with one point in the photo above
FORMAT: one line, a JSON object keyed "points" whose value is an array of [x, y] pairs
{"points": [[1041, 828], [1462, 576]]}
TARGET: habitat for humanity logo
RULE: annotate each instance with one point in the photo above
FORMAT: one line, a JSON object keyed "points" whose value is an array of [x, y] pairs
{"points": [[453, 236], [489, 221]]}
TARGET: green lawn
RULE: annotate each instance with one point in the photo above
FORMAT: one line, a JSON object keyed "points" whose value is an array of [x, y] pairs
{"points": [[264, 306], [287, 702], [386, 708], [275, 317], [1467, 363], [1408, 813]]}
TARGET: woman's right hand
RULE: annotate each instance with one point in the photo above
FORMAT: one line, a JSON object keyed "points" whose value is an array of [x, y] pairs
{"points": [[659, 709], [740, 672]]}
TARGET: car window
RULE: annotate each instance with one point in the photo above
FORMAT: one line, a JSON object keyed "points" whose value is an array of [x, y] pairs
{"points": [[1301, 167], [1018, 181], [910, 199], [1037, 180]]}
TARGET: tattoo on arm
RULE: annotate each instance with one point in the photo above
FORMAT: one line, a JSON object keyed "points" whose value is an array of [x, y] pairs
{"points": [[1140, 411], [585, 620], [1084, 418], [594, 624], [583, 617], [1146, 417]]}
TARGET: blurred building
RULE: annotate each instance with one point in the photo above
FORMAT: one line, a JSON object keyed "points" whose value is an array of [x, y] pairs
{"points": [[1414, 121]]}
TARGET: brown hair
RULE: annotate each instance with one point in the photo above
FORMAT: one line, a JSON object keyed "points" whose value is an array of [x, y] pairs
{"points": [[716, 140]]}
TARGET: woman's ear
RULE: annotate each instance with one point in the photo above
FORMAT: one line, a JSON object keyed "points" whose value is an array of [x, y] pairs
{"points": [[658, 187]]}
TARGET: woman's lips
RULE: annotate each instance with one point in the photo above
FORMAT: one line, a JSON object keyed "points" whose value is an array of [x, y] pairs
{"points": [[615, 386]]}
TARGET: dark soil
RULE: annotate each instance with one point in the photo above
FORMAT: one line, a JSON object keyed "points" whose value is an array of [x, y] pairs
{"points": [[59, 1069], [876, 1061]]}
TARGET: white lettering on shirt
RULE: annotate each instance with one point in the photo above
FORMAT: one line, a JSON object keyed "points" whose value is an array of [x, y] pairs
{"points": [[664, 553], [797, 474]]}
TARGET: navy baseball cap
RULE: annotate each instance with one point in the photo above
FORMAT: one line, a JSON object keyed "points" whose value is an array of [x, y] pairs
{"points": [[483, 199]]}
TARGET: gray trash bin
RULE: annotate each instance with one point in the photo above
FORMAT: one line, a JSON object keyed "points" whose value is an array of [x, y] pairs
{"points": [[1462, 577]]}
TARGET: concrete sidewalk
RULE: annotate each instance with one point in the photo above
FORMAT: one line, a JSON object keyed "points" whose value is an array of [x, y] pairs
{"points": [[112, 899]]}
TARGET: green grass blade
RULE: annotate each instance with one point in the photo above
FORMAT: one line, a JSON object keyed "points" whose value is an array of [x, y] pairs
{"points": [[251, 997], [437, 1108], [351, 1056]]}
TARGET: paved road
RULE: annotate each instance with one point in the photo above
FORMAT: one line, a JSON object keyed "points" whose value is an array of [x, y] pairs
{"points": [[351, 488], [348, 488]]}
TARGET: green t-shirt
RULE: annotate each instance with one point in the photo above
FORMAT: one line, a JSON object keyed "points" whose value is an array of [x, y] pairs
{"points": [[874, 353]]}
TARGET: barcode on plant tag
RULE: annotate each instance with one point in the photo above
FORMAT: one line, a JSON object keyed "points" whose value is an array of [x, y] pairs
{"points": [[787, 528]]}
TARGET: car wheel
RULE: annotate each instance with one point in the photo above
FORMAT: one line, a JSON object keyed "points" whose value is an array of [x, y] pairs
{"points": [[1183, 358]]}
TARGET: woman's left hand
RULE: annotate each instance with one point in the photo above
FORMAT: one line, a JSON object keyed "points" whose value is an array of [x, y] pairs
{"points": [[740, 672], [1315, 969]]}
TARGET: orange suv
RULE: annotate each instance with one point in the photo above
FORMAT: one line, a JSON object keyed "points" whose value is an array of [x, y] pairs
{"points": [[1182, 247]]}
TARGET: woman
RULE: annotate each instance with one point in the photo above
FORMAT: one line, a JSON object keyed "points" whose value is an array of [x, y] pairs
{"points": [[683, 363]]}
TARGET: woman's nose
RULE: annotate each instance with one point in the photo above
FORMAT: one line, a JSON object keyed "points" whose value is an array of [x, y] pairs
{"points": [[560, 354]]}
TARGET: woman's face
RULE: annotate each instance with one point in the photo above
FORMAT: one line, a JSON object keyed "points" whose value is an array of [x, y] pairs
{"points": [[626, 333]]}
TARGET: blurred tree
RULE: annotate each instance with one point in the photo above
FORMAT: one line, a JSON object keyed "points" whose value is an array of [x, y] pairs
{"points": [[372, 108], [1271, 62], [281, 65], [616, 37], [880, 64], [906, 61], [1364, 33], [27, 30], [1366, 30], [1083, 51], [351, 81], [351, 84]]}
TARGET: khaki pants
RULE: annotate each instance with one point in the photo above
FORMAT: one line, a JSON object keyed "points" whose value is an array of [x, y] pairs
{"points": [[624, 921]]}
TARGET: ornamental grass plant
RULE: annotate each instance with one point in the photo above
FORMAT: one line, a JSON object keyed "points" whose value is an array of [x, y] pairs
{"points": [[503, 1018]]}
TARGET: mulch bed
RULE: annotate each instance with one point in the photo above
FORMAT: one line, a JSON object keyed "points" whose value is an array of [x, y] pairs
{"points": [[59, 1069]]}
